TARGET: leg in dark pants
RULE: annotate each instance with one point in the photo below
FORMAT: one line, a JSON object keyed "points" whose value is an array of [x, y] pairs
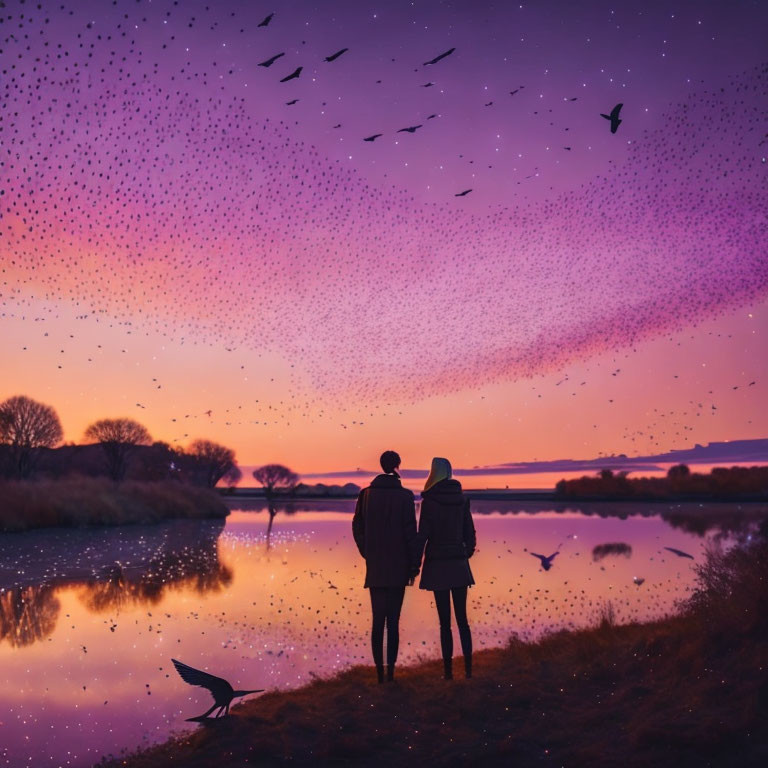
{"points": [[443, 603], [395, 597], [460, 609], [386, 603]]}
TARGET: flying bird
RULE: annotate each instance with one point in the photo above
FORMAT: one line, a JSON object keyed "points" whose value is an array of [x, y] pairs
{"points": [[410, 129], [430, 117], [373, 137], [438, 58], [546, 562], [293, 76], [222, 691], [461, 194], [270, 62], [266, 20], [679, 552], [614, 117], [336, 55], [427, 85]]}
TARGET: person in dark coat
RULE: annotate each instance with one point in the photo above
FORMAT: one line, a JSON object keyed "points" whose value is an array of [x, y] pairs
{"points": [[384, 527], [447, 531]]}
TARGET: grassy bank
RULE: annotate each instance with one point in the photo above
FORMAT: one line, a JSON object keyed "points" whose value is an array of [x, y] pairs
{"points": [[691, 690], [82, 501]]}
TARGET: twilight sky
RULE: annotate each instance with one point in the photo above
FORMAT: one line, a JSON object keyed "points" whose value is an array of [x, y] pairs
{"points": [[181, 232]]}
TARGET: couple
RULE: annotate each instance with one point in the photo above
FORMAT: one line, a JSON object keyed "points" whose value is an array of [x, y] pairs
{"points": [[384, 527]]}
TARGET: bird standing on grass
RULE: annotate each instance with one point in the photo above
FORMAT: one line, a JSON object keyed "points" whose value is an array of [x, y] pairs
{"points": [[223, 693]]}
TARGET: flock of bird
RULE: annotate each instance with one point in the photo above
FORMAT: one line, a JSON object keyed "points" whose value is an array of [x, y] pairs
{"points": [[131, 195]]}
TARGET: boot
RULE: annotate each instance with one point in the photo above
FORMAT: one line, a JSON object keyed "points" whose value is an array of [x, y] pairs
{"points": [[448, 669], [390, 672], [468, 666], [380, 672]]}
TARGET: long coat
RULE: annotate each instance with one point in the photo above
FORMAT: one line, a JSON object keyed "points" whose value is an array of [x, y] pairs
{"points": [[384, 527], [447, 530]]}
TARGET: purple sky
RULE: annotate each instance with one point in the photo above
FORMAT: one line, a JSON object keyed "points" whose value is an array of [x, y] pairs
{"points": [[154, 177]]}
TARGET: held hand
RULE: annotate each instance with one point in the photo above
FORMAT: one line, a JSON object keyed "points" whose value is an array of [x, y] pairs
{"points": [[411, 580]]}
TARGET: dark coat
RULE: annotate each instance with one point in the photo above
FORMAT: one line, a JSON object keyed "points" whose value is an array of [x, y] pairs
{"points": [[447, 530], [384, 527]]}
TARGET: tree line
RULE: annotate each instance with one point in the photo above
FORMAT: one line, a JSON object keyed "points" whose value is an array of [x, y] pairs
{"points": [[30, 433], [720, 482]]}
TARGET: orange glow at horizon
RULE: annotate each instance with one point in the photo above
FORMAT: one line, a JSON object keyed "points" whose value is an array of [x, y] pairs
{"points": [[88, 369]]}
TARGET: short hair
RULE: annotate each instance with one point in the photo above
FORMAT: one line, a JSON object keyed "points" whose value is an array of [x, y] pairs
{"points": [[390, 461]]}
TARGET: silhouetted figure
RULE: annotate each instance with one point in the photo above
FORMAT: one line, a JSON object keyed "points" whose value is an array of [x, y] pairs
{"points": [[384, 527], [546, 560], [447, 530], [614, 117], [222, 691]]}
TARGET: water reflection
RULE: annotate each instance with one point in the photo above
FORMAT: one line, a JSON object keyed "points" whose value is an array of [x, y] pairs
{"points": [[724, 520], [129, 567], [28, 614], [273, 596]]}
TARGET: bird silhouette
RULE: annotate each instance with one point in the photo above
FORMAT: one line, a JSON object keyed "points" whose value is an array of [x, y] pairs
{"points": [[270, 62], [336, 55], [679, 552], [373, 137], [222, 691], [614, 117], [296, 72], [546, 562], [461, 194], [410, 129], [266, 20], [289, 103], [441, 56]]}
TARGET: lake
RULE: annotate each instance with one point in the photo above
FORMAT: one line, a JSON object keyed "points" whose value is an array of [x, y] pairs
{"points": [[90, 619]]}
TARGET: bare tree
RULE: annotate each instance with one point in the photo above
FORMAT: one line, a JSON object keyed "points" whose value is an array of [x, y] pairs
{"points": [[273, 476], [215, 461], [118, 438], [26, 426]]}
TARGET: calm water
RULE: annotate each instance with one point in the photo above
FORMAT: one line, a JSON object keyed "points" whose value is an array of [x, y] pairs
{"points": [[89, 620]]}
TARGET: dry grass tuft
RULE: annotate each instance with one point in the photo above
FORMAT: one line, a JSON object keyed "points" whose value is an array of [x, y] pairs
{"points": [[83, 501]]}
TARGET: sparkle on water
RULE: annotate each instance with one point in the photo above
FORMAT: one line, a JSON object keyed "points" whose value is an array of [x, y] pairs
{"points": [[89, 620]]}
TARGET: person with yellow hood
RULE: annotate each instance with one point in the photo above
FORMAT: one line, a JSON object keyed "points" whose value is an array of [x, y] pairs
{"points": [[448, 533]]}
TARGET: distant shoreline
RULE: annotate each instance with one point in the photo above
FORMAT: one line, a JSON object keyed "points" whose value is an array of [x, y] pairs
{"points": [[501, 494]]}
